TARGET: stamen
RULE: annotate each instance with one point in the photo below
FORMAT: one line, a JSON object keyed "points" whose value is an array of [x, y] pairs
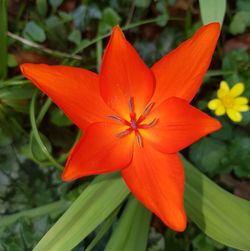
{"points": [[146, 112], [131, 104], [124, 133], [138, 138], [148, 109], [149, 125], [118, 119], [133, 123]]}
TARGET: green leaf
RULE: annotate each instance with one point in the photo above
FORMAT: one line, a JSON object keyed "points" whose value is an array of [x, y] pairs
{"points": [[3, 39], [106, 225], [163, 16], [208, 154], [51, 208], [201, 242], [239, 22], [212, 11], [75, 37], [219, 214], [36, 151], [58, 118], [4, 138], [142, 3], [55, 3], [92, 207], [12, 60], [42, 7], [16, 93], [109, 19], [132, 230], [34, 32]]}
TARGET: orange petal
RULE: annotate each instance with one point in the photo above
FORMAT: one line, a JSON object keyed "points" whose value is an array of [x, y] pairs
{"points": [[180, 73], [74, 90], [179, 125], [157, 180], [99, 150], [124, 75]]}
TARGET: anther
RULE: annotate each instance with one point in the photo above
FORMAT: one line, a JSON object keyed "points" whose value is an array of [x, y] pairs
{"points": [[149, 125], [119, 119], [138, 138], [124, 133], [131, 104], [148, 109]]}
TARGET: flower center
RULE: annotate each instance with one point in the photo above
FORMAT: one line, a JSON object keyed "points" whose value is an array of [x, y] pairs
{"points": [[228, 101], [135, 124]]}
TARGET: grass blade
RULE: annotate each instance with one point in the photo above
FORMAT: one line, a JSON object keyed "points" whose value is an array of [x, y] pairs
{"points": [[92, 207], [3, 39], [132, 230], [212, 11], [55, 207], [221, 215]]}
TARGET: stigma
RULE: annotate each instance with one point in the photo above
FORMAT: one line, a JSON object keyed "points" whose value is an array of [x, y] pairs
{"points": [[135, 124]]}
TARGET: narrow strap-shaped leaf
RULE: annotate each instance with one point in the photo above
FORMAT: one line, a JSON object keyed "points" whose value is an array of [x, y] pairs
{"points": [[92, 207], [221, 215], [132, 230], [104, 228], [3, 39], [212, 10], [54, 207]]}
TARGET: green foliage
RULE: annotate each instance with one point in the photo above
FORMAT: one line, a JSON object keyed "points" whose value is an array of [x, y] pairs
{"points": [[240, 20], [208, 154], [212, 11], [36, 137], [94, 205], [34, 32], [131, 233], [3, 39]]}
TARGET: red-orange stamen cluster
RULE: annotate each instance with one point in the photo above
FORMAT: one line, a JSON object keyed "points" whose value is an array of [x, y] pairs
{"points": [[135, 124]]}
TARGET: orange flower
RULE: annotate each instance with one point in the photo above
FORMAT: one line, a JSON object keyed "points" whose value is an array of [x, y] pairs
{"points": [[135, 119]]}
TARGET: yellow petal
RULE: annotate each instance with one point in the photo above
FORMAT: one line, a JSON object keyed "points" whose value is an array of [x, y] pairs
{"points": [[213, 104], [241, 108], [234, 115], [224, 86], [220, 110], [237, 90], [241, 101], [224, 89]]}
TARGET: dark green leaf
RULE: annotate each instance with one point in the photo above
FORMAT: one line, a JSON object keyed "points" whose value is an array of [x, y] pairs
{"points": [[34, 32]]}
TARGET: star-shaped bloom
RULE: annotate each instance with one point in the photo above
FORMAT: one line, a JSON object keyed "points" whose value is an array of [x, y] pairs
{"points": [[135, 119], [229, 101]]}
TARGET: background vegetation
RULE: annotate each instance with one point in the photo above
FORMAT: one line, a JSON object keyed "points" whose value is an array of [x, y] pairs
{"points": [[35, 136]]}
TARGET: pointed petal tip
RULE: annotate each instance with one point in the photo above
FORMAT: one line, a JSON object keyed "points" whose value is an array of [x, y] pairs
{"points": [[28, 69], [213, 29], [215, 125], [179, 226], [178, 223], [117, 32], [214, 25], [23, 67], [66, 176]]}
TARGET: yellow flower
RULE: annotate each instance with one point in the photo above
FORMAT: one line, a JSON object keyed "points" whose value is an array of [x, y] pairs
{"points": [[229, 102]]}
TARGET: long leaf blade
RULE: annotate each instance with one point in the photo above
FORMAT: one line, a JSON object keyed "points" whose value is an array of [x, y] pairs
{"points": [[212, 11], [91, 208], [3, 39], [221, 215], [132, 230]]}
